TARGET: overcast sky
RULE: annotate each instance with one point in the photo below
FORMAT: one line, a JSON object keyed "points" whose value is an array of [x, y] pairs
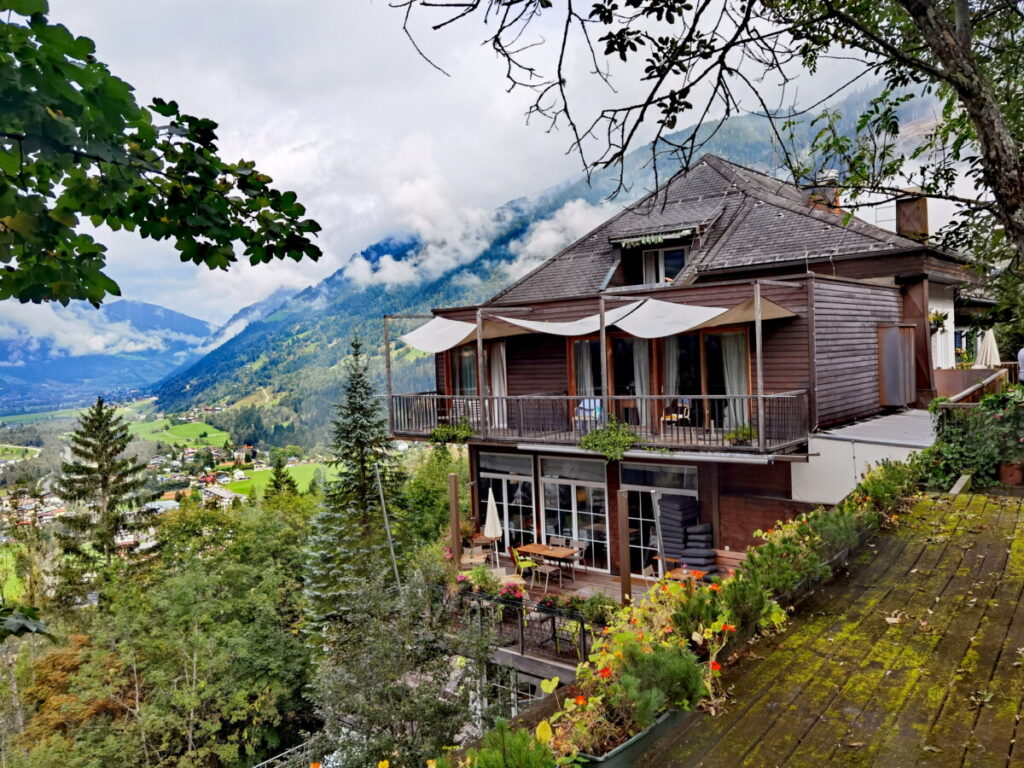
{"points": [[331, 100]]}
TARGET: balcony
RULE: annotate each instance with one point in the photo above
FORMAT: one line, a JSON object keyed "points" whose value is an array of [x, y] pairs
{"points": [[716, 423]]}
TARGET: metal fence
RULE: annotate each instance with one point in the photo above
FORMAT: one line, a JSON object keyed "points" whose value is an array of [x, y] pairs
{"points": [[708, 422], [530, 628]]}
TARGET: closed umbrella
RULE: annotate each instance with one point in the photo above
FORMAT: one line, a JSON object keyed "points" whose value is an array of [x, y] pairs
{"points": [[988, 351], [492, 525]]}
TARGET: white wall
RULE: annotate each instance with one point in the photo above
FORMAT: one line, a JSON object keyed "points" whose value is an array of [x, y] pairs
{"points": [[940, 299], [836, 466]]}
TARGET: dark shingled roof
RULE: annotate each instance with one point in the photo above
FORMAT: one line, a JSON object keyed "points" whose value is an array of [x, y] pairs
{"points": [[744, 218]]}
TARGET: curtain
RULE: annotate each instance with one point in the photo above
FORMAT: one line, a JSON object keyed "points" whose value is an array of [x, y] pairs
{"points": [[651, 267], [642, 377], [466, 381], [499, 386], [672, 365], [734, 364], [584, 363]]}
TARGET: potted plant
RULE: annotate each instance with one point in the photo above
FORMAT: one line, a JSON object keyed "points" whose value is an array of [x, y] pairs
{"points": [[549, 604], [744, 434], [936, 320]]}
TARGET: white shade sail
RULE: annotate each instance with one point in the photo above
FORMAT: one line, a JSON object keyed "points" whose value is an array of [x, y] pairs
{"points": [[582, 327], [656, 319], [644, 319], [439, 334]]}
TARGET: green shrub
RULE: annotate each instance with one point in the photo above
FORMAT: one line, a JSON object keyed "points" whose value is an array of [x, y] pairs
{"points": [[504, 747], [611, 441], [671, 669], [444, 434], [747, 602]]}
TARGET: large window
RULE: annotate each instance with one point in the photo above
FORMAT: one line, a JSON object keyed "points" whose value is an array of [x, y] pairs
{"points": [[510, 478], [654, 266], [464, 371], [576, 506], [674, 489]]}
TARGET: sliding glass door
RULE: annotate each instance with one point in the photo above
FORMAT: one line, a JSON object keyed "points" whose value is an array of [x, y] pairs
{"points": [[674, 488], [576, 506], [510, 478]]}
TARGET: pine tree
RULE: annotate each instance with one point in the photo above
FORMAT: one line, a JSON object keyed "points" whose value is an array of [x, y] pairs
{"points": [[347, 542], [281, 481], [107, 483]]}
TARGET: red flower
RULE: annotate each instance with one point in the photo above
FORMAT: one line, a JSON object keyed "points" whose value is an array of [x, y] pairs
{"points": [[715, 666], [728, 628], [605, 672], [715, 587], [581, 701]]}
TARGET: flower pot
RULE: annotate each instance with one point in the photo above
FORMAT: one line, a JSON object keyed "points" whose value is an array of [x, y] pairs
{"points": [[627, 753], [1011, 473]]}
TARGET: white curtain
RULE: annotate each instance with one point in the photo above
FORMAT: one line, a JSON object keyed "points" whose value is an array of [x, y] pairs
{"points": [[642, 377], [651, 267], [584, 364], [734, 364], [499, 386], [672, 365]]}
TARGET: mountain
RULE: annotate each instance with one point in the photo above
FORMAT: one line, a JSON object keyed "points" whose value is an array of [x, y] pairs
{"points": [[243, 317], [296, 351]]}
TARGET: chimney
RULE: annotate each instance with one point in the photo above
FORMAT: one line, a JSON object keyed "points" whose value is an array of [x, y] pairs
{"points": [[824, 195], [912, 215]]}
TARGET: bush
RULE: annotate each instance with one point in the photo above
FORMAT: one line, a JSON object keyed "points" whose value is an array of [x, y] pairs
{"points": [[746, 600], [611, 441], [504, 747]]}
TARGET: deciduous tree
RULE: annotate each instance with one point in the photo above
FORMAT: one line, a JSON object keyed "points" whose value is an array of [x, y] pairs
{"points": [[76, 146]]}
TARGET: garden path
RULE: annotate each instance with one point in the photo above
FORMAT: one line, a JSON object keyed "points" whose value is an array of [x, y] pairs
{"points": [[913, 659]]}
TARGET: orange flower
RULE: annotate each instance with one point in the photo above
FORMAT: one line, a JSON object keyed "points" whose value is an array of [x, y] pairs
{"points": [[698, 575], [581, 701], [605, 672], [715, 587], [634, 620], [715, 666], [728, 628]]}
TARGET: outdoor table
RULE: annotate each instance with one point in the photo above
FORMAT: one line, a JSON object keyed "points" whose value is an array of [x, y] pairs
{"points": [[681, 574], [561, 554]]}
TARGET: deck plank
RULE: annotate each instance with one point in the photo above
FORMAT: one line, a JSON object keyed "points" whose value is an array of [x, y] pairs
{"points": [[844, 686]]}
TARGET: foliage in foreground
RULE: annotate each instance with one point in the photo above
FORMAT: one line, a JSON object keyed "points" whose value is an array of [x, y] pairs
{"points": [[74, 144]]}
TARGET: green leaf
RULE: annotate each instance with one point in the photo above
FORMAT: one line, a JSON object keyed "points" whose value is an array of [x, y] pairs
{"points": [[25, 7]]}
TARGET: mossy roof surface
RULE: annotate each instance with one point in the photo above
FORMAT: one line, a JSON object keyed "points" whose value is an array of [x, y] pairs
{"points": [[914, 658]]}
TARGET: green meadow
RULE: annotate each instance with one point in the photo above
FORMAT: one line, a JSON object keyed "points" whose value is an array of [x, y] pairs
{"points": [[193, 434], [302, 474]]}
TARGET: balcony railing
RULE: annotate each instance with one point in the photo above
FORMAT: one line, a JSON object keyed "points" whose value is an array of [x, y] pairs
{"points": [[693, 422]]}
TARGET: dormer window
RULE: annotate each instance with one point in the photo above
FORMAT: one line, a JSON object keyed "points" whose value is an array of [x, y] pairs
{"points": [[663, 265], [653, 266]]}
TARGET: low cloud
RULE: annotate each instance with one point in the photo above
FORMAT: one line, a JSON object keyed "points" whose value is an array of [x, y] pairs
{"points": [[547, 237], [74, 331]]}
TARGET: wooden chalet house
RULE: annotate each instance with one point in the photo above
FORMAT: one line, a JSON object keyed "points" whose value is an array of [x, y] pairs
{"points": [[726, 319]]}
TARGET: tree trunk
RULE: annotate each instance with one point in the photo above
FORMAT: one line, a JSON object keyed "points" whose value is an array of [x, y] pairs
{"points": [[1001, 165]]}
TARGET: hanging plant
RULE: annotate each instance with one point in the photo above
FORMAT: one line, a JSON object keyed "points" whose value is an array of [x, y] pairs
{"points": [[451, 433], [611, 441]]}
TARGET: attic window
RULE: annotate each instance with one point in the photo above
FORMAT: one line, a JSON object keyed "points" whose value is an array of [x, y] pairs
{"points": [[653, 266]]}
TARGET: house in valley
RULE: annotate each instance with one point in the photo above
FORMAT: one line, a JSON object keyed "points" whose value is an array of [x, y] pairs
{"points": [[762, 346]]}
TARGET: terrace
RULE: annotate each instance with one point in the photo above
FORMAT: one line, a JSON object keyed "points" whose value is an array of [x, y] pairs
{"points": [[772, 422]]}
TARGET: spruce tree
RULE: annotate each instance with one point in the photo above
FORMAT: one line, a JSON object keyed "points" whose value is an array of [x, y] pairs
{"points": [[281, 481], [347, 542], [107, 485]]}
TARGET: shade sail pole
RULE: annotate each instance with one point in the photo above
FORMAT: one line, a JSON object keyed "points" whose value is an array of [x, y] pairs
{"points": [[760, 367], [604, 365], [480, 368], [387, 376]]}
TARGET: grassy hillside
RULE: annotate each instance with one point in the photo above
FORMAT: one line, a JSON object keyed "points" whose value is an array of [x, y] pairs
{"points": [[8, 452], [195, 434], [301, 473]]}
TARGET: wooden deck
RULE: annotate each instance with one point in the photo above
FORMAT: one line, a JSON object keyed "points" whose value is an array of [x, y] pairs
{"points": [[915, 659], [587, 582]]}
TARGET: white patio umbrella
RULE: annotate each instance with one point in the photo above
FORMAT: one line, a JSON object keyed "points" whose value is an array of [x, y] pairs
{"points": [[492, 525], [988, 351]]}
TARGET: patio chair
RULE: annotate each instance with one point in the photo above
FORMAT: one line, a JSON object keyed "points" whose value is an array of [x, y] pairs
{"points": [[581, 550], [522, 564], [547, 570], [588, 415], [557, 541]]}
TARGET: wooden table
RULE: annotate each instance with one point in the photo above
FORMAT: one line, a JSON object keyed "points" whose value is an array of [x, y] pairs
{"points": [[681, 574], [562, 554]]}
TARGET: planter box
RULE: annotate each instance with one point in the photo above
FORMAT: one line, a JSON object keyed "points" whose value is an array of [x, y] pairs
{"points": [[1011, 474], [627, 753]]}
